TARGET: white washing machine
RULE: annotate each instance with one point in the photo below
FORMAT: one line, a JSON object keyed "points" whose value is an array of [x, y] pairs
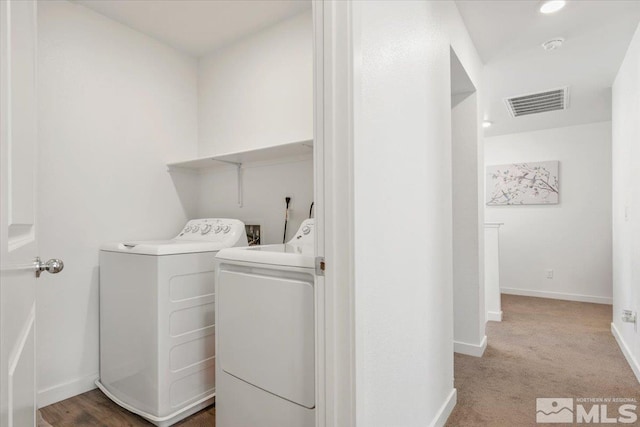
{"points": [[157, 320], [265, 339]]}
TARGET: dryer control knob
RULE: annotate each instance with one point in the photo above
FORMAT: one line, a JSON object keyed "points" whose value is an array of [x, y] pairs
{"points": [[217, 229], [226, 228], [306, 230], [195, 228], [206, 229], [187, 228]]}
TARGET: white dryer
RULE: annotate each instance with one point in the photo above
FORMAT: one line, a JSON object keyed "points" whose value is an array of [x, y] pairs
{"points": [[157, 320], [265, 320]]}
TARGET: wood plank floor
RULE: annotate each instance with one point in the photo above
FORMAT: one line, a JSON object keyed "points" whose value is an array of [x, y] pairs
{"points": [[94, 409]]}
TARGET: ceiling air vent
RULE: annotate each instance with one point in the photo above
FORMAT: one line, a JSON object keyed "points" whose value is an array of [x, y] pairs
{"points": [[550, 100]]}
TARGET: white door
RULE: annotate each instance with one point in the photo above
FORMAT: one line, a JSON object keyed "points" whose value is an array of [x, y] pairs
{"points": [[18, 243]]}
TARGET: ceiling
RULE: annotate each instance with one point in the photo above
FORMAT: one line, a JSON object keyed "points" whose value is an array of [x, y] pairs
{"points": [[198, 27], [508, 36], [506, 33]]}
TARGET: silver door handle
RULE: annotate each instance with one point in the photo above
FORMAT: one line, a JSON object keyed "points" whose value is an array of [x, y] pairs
{"points": [[53, 266]]}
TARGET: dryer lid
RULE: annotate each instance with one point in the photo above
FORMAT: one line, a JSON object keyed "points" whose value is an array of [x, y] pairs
{"points": [[298, 252], [287, 255]]}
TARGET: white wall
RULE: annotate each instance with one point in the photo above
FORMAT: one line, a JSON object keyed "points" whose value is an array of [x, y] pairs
{"points": [[468, 282], [115, 107], [255, 93], [259, 91], [403, 208], [265, 188], [573, 238], [626, 201]]}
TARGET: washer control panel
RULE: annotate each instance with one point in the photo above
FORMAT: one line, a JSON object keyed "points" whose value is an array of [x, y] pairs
{"points": [[211, 229], [305, 234]]}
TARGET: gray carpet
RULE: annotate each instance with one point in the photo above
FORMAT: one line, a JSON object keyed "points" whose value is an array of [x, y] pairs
{"points": [[543, 348]]}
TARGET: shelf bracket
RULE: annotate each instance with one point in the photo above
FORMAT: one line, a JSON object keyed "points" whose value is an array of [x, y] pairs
{"points": [[238, 178]]}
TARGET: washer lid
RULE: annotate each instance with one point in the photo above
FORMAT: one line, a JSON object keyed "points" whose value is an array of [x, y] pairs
{"points": [[163, 247], [289, 255], [199, 235]]}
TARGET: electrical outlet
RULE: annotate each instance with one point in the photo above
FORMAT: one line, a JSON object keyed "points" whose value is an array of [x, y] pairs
{"points": [[549, 274], [253, 234], [628, 316]]}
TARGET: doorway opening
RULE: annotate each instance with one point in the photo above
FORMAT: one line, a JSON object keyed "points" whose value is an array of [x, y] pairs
{"points": [[468, 282]]}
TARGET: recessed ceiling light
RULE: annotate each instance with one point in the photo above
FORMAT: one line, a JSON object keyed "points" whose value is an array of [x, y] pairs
{"points": [[553, 44], [486, 124], [552, 6]]}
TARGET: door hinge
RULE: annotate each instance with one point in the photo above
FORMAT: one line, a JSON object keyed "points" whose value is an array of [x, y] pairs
{"points": [[320, 266]]}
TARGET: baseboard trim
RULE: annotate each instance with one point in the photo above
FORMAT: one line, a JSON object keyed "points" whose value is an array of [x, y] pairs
{"points": [[494, 316], [557, 295], [66, 390], [476, 350], [445, 410], [635, 367]]}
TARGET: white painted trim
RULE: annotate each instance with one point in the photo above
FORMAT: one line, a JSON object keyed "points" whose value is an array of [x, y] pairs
{"points": [[476, 350], [635, 367], [66, 390], [445, 410], [558, 295], [494, 316], [323, 329], [333, 161]]}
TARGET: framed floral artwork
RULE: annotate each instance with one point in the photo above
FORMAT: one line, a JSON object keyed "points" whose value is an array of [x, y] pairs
{"points": [[532, 183]]}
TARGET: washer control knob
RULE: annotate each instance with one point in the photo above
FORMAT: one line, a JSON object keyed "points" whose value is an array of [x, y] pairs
{"points": [[217, 229], [226, 229], [306, 230], [195, 228], [187, 229], [206, 229]]}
